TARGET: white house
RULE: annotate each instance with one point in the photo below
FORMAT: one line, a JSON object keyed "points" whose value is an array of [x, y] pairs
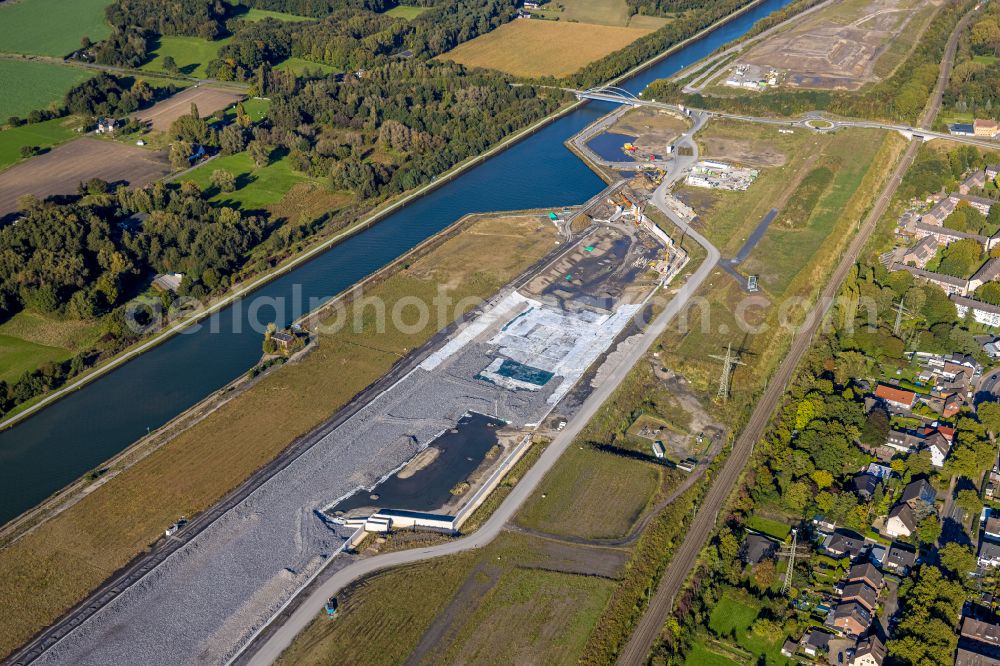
{"points": [[901, 521]]}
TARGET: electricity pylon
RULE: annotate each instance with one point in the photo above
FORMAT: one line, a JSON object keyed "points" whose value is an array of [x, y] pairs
{"points": [[729, 361]]}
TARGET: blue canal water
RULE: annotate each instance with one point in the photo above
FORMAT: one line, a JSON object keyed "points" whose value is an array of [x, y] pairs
{"points": [[609, 146], [65, 440]]}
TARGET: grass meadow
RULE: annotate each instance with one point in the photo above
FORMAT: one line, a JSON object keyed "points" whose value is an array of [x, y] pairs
{"points": [[192, 54], [41, 135], [592, 494], [256, 188], [407, 12], [50, 27], [299, 66], [34, 85]]}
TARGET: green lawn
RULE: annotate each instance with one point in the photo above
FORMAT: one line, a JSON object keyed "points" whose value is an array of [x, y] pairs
{"points": [[192, 54], [50, 27], [700, 655], [261, 14], [255, 188], [299, 65], [34, 85], [769, 527], [42, 135], [406, 12], [18, 356], [733, 614]]}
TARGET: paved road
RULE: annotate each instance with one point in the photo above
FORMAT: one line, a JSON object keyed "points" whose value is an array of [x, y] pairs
{"points": [[280, 639], [662, 603]]}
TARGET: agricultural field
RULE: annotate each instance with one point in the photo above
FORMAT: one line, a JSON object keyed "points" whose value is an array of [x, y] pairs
{"points": [[192, 54], [61, 170], [543, 48], [42, 135], [50, 27], [161, 115], [598, 12], [839, 47], [256, 188], [407, 12], [35, 85], [592, 494], [200, 464]]}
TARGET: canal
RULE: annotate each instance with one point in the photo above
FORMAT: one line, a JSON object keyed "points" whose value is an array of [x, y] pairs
{"points": [[49, 450]]}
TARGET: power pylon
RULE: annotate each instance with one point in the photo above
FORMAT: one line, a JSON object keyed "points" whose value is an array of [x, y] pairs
{"points": [[900, 311], [729, 361], [787, 584]]}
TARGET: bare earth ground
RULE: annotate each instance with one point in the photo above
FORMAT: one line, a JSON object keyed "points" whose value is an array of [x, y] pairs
{"points": [[209, 100], [743, 152], [61, 170], [653, 128], [543, 48], [838, 47]]}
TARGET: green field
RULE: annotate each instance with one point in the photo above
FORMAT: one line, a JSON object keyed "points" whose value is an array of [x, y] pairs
{"points": [[255, 188], [261, 14], [592, 494], [192, 54], [41, 135], [34, 85], [699, 655], [732, 614], [532, 616], [769, 527], [18, 356], [406, 12], [299, 65], [50, 27]]}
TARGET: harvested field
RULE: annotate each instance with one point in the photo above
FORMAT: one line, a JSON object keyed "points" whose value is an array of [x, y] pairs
{"points": [[61, 170], [839, 47], [209, 100], [543, 48]]}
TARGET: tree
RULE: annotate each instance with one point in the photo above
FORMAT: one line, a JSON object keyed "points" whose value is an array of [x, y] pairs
{"points": [[224, 180], [876, 428], [929, 529], [180, 152], [989, 415], [270, 346], [764, 574], [28, 151], [958, 559], [170, 65], [968, 500], [822, 479], [259, 153], [85, 42], [232, 139]]}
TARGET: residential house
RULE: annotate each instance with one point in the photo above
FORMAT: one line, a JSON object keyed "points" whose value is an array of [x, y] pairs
{"points": [[975, 181], [844, 543], [942, 236], [978, 643], [881, 471], [900, 559], [861, 592], [950, 285], [901, 521], [815, 641], [918, 494], [168, 281], [870, 651], [866, 484], [789, 648], [985, 127], [877, 553], [851, 618], [983, 313], [992, 348], [757, 548], [284, 340], [991, 528], [896, 398], [989, 554], [987, 273], [993, 484], [868, 573], [106, 125], [921, 252], [904, 441], [992, 170]]}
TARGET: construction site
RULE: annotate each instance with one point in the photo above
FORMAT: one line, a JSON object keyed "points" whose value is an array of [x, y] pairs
{"points": [[434, 443]]}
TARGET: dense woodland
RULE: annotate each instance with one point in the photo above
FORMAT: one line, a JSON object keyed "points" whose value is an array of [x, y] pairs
{"points": [[974, 86]]}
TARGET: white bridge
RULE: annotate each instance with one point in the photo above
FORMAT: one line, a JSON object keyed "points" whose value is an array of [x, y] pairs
{"points": [[610, 94]]}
